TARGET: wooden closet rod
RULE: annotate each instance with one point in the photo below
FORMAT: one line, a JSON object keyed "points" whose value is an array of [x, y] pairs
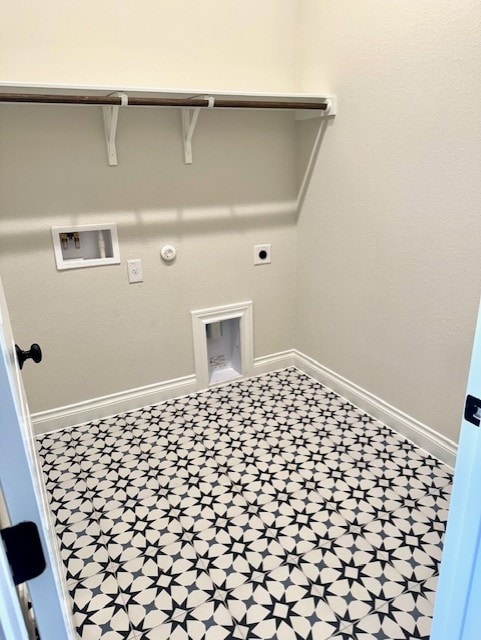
{"points": [[115, 100]]}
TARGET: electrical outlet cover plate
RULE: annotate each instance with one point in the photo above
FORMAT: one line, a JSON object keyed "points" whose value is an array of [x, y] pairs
{"points": [[262, 254], [134, 269]]}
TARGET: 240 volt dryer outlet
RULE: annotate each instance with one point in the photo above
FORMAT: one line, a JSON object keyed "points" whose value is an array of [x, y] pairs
{"points": [[262, 254]]}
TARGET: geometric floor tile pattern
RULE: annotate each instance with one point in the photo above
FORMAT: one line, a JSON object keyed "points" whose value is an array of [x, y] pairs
{"points": [[269, 508]]}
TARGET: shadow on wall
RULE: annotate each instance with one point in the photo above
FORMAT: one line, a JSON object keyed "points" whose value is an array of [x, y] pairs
{"points": [[53, 161], [309, 142], [17, 237], [249, 171]]}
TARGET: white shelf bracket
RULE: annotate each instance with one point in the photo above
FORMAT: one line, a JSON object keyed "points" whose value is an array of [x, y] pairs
{"points": [[189, 121], [331, 110], [111, 117]]}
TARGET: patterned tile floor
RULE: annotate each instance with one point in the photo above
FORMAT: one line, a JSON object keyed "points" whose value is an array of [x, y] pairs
{"points": [[269, 508]]}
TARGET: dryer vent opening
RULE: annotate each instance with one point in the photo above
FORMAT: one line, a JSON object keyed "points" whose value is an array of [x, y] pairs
{"points": [[223, 343], [223, 350]]}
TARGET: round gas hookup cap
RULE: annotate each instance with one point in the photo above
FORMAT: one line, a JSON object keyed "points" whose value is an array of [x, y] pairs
{"points": [[168, 253]]}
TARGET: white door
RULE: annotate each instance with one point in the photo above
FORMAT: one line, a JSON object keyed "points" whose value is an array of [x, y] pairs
{"points": [[25, 500], [457, 611]]}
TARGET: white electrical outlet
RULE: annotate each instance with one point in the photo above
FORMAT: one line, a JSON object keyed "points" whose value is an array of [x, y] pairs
{"points": [[262, 254], [134, 269]]}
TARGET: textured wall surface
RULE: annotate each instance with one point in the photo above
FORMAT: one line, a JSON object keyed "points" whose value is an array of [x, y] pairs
{"points": [[389, 267], [101, 335], [389, 274], [212, 44]]}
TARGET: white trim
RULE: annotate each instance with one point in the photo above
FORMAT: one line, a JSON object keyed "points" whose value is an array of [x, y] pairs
{"points": [[134, 399], [274, 362], [425, 437], [81, 261], [8, 85], [109, 405], [12, 621], [202, 317], [434, 443]]}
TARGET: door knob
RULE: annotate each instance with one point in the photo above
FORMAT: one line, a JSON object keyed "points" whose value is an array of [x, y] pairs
{"points": [[35, 353]]}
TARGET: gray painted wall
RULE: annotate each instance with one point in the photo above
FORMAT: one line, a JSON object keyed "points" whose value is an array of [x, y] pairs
{"points": [[101, 335], [388, 278], [389, 271]]}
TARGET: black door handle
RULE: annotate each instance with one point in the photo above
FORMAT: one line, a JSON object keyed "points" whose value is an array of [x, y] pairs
{"points": [[35, 353]]}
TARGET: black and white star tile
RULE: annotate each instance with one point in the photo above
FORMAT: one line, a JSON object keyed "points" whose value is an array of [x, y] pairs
{"points": [[265, 509], [98, 609], [407, 617]]}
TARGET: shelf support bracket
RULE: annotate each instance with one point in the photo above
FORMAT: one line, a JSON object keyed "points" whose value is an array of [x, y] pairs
{"points": [[330, 111], [189, 121], [111, 117]]}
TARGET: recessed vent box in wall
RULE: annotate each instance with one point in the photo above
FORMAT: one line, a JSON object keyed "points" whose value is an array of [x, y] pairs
{"points": [[87, 245], [223, 344]]}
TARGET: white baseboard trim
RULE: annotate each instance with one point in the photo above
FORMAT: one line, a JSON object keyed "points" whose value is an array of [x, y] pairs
{"points": [[110, 405], [274, 362], [434, 443], [103, 407]]}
